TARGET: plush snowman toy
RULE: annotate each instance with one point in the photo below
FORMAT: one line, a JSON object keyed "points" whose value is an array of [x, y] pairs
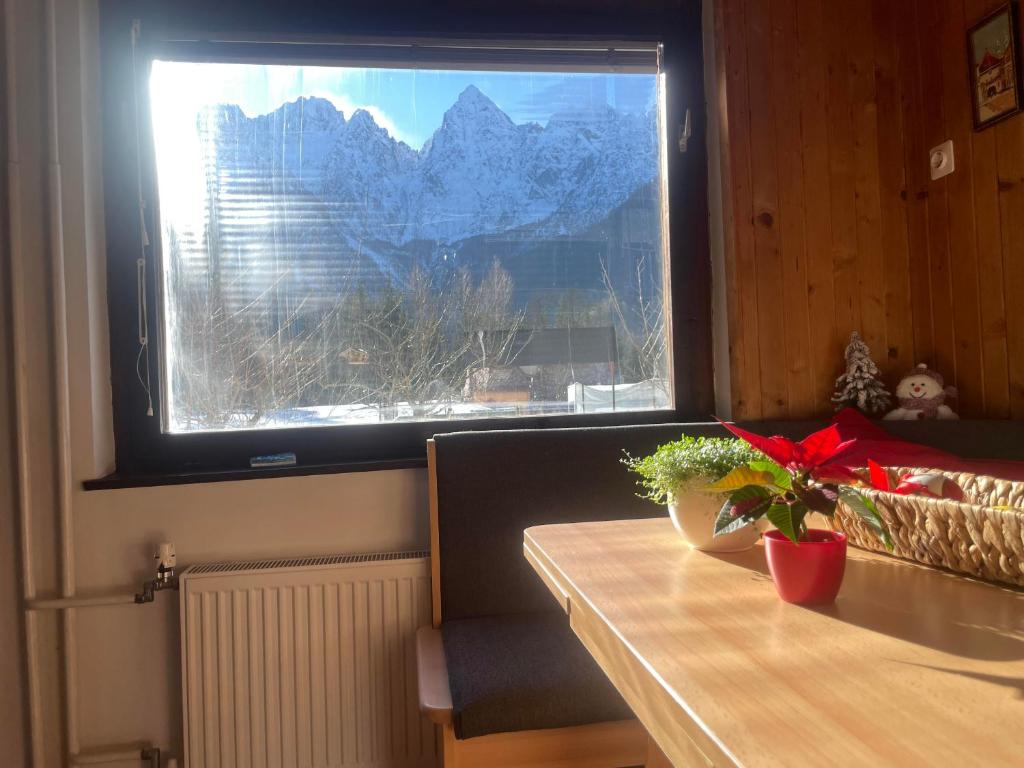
{"points": [[922, 395]]}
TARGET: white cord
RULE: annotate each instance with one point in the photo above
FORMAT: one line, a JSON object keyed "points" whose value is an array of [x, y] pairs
{"points": [[141, 373]]}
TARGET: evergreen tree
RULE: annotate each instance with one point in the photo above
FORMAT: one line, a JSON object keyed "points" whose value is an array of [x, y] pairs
{"points": [[860, 387]]}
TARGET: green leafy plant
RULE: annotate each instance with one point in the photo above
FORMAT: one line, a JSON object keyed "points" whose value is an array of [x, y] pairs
{"points": [[690, 463], [801, 478]]}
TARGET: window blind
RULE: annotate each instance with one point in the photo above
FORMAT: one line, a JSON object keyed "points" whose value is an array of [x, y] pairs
{"points": [[490, 55]]}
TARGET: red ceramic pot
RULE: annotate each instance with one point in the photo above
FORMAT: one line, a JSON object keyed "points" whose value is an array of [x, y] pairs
{"points": [[808, 573]]}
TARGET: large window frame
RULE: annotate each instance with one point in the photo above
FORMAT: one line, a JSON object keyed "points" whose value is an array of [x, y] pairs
{"points": [[146, 455]]}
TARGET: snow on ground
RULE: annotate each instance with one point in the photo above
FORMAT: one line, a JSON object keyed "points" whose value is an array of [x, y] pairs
{"points": [[440, 410]]}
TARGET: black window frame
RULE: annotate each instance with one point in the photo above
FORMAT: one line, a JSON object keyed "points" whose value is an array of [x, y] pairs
{"points": [[146, 455]]}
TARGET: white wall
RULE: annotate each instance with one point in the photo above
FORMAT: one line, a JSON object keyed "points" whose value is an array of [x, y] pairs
{"points": [[126, 656]]}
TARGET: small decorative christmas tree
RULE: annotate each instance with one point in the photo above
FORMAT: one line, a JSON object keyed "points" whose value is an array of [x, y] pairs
{"points": [[860, 386]]}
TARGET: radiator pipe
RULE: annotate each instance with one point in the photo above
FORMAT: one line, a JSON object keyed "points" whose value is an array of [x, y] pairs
{"points": [[21, 389], [64, 603], [165, 579], [26, 503], [67, 602], [124, 754], [151, 587], [58, 291]]}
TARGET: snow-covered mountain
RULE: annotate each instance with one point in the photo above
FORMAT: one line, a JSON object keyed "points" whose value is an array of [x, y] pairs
{"points": [[479, 174]]}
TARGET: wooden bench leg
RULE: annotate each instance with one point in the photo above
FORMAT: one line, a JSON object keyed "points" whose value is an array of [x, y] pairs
{"points": [[448, 747], [598, 745]]}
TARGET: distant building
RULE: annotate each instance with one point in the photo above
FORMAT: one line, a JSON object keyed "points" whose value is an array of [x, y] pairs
{"points": [[497, 385], [538, 364], [355, 356]]}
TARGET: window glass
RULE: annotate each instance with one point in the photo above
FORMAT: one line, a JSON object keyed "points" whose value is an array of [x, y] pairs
{"points": [[358, 245]]}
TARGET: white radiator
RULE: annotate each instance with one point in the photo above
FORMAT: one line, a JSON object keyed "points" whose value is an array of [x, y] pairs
{"points": [[305, 662]]}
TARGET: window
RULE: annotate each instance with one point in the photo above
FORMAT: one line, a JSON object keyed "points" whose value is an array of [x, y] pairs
{"points": [[345, 239], [363, 245]]}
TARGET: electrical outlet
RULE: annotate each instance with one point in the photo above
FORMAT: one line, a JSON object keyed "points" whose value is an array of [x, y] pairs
{"points": [[941, 161]]}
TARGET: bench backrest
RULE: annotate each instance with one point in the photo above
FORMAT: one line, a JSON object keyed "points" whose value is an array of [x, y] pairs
{"points": [[486, 487], [492, 485]]}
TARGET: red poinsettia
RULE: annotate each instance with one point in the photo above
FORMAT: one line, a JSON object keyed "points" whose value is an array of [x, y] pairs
{"points": [[802, 477], [817, 455]]}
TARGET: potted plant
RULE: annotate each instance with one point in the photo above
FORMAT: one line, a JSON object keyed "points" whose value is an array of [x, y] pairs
{"points": [[678, 473], [806, 564]]}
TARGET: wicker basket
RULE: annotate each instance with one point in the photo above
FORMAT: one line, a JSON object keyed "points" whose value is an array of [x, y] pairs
{"points": [[983, 537]]}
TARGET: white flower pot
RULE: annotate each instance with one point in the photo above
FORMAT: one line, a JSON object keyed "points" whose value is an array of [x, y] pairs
{"points": [[694, 513]]}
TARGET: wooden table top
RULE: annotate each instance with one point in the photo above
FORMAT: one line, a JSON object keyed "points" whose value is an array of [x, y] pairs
{"points": [[910, 667]]}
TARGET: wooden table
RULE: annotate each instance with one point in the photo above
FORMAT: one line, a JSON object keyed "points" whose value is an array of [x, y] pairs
{"points": [[910, 667]]}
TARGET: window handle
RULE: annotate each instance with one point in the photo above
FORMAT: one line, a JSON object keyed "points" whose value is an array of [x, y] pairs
{"points": [[685, 131]]}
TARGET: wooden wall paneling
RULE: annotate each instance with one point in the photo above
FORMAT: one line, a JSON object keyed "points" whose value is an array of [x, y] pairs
{"points": [[857, 20], [984, 173], [718, 99], [989, 250], [898, 354], [814, 139], [831, 109], [1010, 149], [767, 242], [917, 183], [963, 264], [744, 334], [841, 179], [929, 28], [790, 223]]}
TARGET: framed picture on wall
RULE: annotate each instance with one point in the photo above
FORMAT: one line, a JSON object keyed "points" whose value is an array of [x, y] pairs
{"points": [[995, 71]]}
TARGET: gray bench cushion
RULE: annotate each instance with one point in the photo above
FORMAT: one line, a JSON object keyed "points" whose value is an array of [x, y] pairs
{"points": [[524, 672]]}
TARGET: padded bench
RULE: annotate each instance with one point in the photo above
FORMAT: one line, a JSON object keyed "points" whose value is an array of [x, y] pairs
{"points": [[524, 672], [500, 670]]}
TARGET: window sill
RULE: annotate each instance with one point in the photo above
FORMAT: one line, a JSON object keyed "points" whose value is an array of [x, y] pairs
{"points": [[117, 480]]}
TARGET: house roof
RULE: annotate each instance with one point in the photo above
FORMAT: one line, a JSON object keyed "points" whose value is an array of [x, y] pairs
{"points": [[552, 346], [988, 61]]}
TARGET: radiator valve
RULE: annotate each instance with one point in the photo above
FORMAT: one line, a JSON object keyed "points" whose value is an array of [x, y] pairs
{"points": [[166, 561], [165, 579]]}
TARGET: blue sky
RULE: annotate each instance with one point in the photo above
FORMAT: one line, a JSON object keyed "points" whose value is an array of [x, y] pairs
{"points": [[409, 103]]}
